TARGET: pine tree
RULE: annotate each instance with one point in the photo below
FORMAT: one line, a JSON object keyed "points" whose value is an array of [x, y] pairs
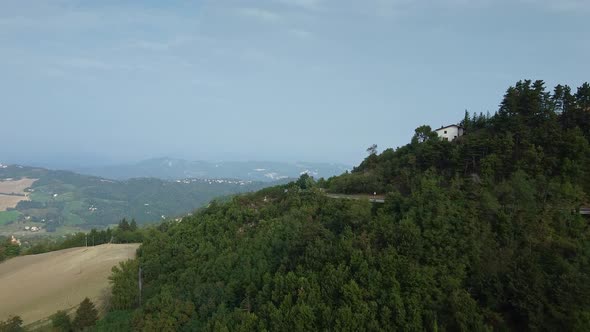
{"points": [[124, 225], [61, 322], [133, 225], [12, 324], [86, 315]]}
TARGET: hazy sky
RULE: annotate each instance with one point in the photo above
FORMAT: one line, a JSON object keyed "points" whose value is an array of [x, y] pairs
{"points": [[309, 80]]}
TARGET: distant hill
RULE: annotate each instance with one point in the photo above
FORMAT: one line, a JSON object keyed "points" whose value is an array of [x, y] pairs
{"points": [[169, 168], [62, 199]]}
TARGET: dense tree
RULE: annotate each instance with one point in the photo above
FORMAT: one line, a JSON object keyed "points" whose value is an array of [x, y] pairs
{"points": [[93, 238], [133, 225], [115, 321], [60, 322], [124, 225], [125, 291], [86, 315], [477, 234], [164, 312], [8, 249], [12, 324], [423, 134]]}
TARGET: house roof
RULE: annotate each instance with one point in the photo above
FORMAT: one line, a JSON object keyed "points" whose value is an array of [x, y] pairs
{"points": [[449, 126]]}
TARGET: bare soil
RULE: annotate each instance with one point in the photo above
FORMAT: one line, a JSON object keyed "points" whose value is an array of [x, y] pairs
{"points": [[36, 286], [8, 189], [8, 201]]}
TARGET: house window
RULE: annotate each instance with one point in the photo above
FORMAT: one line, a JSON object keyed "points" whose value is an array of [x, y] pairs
{"points": [[445, 131]]}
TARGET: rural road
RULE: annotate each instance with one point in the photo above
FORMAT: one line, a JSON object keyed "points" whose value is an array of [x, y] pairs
{"points": [[371, 198]]}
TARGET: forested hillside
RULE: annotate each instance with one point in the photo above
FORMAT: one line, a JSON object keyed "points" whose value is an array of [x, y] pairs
{"points": [[478, 234]]}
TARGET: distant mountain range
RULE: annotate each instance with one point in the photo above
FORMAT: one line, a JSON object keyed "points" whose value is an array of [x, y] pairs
{"points": [[173, 169]]}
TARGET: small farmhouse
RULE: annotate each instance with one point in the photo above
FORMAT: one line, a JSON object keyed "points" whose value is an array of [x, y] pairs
{"points": [[14, 240], [450, 133]]}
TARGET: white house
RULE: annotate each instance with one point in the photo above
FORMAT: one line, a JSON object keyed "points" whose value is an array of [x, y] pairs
{"points": [[14, 240], [450, 133]]}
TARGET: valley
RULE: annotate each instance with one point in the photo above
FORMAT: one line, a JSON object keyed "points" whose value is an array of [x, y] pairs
{"points": [[174, 168], [36, 201]]}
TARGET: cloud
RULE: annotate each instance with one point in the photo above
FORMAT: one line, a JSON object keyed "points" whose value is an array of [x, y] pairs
{"points": [[162, 46], [87, 63], [306, 4], [386, 7], [300, 33], [59, 17], [559, 5], [562, 5], [260, 14], [17, 22], [259, 56], [152, 45]]}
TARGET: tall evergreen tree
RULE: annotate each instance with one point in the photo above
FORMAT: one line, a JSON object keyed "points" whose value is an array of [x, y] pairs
{"points": [[86, 315], [124, 225], [133, 225]]}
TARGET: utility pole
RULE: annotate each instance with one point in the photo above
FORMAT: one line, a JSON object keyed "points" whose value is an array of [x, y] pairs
{"points": [[139, 282], [86, 240]]}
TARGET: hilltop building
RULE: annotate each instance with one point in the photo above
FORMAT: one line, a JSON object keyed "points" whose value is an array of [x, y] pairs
{"points": [[14, 240], [450, 133]]}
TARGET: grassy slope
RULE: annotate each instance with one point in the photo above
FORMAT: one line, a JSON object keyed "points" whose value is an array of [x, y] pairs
{"points": [[35, 287], [8, 216]]}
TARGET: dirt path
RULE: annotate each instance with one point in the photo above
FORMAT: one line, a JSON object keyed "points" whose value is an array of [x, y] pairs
{"points": [[35, 287]]}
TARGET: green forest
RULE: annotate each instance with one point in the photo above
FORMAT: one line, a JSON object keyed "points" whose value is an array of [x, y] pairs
{"points": [[478, 234]]}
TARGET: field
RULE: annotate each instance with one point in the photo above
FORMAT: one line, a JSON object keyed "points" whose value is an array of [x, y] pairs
{"points": [[8, 216], [35, 287], [13, 191], [15, 186]]}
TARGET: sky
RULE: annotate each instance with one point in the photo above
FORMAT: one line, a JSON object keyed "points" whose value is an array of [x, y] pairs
{"points": [[105, 82]]}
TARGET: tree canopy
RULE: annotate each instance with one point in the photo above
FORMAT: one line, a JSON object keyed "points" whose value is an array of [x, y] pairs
{"points": [[477, 234], [86, 315]]}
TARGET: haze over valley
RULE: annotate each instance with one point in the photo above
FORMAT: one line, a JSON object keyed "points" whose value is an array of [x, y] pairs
{"points": [[171, 168], [294, 165]]}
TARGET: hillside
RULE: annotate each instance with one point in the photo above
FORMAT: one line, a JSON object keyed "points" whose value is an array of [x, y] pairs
{"points": [[169, 168], [478, 234], [66, 200], [535, 134], [36, 286]]}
